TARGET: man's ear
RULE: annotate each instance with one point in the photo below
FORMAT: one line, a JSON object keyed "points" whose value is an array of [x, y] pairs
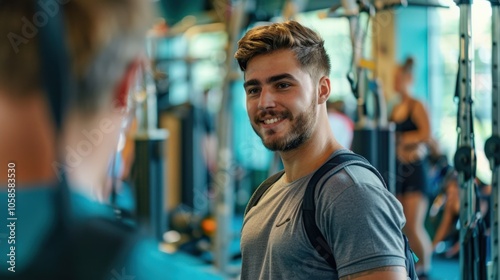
{"points": [[323, 89], [124, 84]]}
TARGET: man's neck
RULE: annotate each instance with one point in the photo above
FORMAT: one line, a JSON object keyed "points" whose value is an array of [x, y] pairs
{"points": [[310, 156]]}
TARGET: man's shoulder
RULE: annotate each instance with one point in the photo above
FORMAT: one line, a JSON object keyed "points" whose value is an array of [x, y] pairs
{"points": [[355, 178], [359, 172], [361, 175]]}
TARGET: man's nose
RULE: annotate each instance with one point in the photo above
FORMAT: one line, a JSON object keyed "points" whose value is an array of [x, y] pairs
{"points": [[266, 99]]}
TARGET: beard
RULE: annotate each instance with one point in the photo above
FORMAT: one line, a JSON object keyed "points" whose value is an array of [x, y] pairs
{"points": [[300, 131]]}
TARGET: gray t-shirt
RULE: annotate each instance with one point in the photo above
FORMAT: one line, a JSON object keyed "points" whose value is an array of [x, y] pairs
{"points": [[359, 218]]}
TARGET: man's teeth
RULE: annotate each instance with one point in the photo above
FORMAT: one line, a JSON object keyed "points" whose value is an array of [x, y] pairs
{"points": [[270, 121]]}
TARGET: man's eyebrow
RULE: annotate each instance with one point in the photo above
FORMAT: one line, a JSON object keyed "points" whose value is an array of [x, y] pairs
{"points": [[279, 77], [252, 82], [269, 80]]}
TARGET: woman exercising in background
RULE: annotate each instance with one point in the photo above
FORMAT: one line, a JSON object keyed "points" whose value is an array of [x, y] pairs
{"points": [[413, 133]]}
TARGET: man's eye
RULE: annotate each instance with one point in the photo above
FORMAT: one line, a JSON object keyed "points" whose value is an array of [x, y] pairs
{"points": [[282, 85], [252, 90]]}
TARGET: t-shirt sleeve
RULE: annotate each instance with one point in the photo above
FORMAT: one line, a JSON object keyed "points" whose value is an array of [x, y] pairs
{"points": [[362, 224]]}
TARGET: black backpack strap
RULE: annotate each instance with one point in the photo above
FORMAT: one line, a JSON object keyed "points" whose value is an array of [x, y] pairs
{"points": [[261, 190], [333, 165]]}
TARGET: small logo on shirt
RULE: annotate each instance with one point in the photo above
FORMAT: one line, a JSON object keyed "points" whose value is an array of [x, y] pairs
{"points": [[284, 222]]}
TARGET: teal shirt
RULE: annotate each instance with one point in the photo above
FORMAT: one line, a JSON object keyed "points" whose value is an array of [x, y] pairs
{"points": [[34, 217], [36, 211]]}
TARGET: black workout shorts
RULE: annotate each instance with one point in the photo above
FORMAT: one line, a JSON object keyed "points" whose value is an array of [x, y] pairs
{"points": [[412, 177]]}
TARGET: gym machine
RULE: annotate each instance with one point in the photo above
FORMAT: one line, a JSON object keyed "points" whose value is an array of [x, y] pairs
{"points": [[472, 229], [189, 118], [379, 150], [148, 167], [492, 145], [223, 181]]}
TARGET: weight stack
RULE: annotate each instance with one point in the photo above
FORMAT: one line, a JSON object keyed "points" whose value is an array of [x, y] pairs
{"points": [[378, 147], [149, 181]]}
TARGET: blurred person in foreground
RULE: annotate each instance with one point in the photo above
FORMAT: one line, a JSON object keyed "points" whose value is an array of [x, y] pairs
{"points": [[104, 40], [286, 80], [412, 170]]}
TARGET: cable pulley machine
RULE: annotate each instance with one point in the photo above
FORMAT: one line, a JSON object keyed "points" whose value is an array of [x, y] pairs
{"points": [[472, 238], [492, 145], [374, 126]]}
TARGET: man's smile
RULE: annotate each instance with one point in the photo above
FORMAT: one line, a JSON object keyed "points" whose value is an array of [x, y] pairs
{"points": [[271, 121]]}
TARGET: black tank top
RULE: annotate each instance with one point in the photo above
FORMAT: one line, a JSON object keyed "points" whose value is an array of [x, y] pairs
{"points": [[407, 124]]}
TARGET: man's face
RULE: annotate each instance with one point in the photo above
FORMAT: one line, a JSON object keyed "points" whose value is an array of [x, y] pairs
{"points": [[281, 100]]}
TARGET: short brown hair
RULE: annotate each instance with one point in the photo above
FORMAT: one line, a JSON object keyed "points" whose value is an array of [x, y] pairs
{"points": [[307, 45], [103, 37]]}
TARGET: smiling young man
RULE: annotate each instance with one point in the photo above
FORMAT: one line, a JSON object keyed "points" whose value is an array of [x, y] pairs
{"points": [[286, 72]]}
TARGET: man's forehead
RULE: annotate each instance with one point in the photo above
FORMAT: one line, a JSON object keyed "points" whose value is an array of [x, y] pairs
{"points": [[264, 66], [285, 54]]}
